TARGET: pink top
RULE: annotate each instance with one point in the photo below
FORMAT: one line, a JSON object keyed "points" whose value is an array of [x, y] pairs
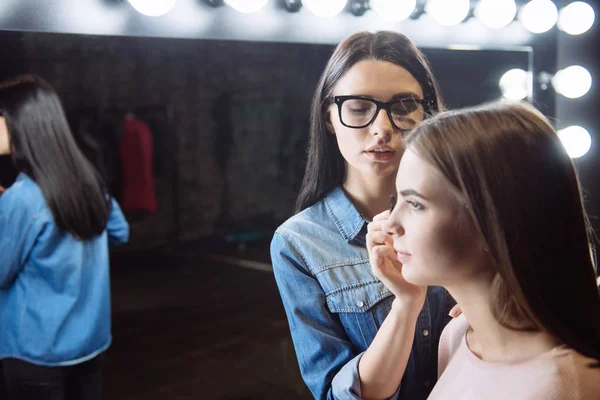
{"points": [[562, 373]]}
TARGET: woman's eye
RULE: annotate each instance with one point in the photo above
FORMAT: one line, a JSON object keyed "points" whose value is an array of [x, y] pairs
{"points": [[393, 201], [359, 110], [415, 205]]}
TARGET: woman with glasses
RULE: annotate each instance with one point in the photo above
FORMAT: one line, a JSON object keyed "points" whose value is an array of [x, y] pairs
{"points": [[375, 88], [56, 222], [489, 207]]}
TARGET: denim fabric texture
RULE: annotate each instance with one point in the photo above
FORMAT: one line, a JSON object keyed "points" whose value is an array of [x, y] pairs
{"points": [[54, 288]]}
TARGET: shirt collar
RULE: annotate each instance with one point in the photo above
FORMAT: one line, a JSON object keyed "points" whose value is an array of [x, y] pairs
{"points": [[345, 215]]}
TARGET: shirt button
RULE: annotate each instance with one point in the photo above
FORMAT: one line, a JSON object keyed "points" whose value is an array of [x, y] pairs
{"points": [[360, 303], [427, 383], [425, 332]]}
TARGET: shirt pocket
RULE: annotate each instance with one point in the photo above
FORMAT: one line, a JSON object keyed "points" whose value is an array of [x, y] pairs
{"points": [[358, 298]]}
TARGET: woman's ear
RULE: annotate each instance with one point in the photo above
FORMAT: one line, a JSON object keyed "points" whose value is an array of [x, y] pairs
{"points": [[328, 123]]}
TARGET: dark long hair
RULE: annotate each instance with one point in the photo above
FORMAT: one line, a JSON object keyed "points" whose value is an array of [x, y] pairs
{"points": [[43, 148], [325, 167], [523, 195]]}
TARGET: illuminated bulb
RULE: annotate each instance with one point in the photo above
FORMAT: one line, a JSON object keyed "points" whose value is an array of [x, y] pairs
{"points": [[152, 8], [394, 10], [572, 82], [576, 140], [496, 13], [576, 18], [247, 6], [325, 8], [513, 84], [448, 12], [538, 16]]}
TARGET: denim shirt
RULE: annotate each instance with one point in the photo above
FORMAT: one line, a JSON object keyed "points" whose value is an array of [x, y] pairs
{"points": [[54, 289], [335, 305]]}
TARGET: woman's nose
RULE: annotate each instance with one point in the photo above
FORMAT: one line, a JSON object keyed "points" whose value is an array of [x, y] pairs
{"points": [[382, 126], [393, 226]]}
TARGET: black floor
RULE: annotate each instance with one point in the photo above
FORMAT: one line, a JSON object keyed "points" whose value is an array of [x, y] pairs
{"points": [[189, 327]]}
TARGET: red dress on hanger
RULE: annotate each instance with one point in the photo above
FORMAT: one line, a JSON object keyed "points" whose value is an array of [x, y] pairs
{"points": [[137, 187]]}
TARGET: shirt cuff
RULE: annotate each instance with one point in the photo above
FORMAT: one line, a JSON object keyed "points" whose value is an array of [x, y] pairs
{"points": [[346, 383]]}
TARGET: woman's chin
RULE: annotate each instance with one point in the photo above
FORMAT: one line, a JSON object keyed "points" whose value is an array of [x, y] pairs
{"points": [[382, 170], [415, 277]]}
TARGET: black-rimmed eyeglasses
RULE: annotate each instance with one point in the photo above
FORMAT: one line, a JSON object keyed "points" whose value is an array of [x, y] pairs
{"points": [[359, 112]]}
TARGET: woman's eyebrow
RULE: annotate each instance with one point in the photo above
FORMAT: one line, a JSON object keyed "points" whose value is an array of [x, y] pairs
{"points": [[405, 95], [412, 192]]}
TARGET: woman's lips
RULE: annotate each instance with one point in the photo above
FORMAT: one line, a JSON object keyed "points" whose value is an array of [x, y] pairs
{"points": [[402, 256], [383, 156]]}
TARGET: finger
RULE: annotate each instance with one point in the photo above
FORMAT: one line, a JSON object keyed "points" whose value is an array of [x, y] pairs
{"points": [[383, 252], [375, 239], [379, 238], [455, 311], [381, 216], [374, 226]]}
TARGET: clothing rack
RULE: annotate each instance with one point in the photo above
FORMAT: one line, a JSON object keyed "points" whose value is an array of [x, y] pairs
{"points": [[166, 137]]}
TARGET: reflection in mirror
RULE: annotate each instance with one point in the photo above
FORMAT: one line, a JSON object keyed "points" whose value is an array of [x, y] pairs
{"points": [[203, 142]]}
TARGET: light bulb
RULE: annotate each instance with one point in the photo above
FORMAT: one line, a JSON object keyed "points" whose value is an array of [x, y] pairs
{"points": [[152, 8], [496, 13], [572, 82], [325, 8], [576, 18], [576, 140], [448, 12], [513, 84], [394, 10], [247, 6], [538, 16]]}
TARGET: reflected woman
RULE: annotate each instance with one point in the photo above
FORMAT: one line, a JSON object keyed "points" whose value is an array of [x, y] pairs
{"points": [[56, 222]]}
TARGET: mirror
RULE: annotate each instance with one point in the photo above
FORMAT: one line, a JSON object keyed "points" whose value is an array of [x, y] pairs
{"points": [[195, 307]]}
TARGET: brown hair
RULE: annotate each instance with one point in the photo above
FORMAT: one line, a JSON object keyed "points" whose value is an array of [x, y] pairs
{"points": [[325, 167], [523, 195]]}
